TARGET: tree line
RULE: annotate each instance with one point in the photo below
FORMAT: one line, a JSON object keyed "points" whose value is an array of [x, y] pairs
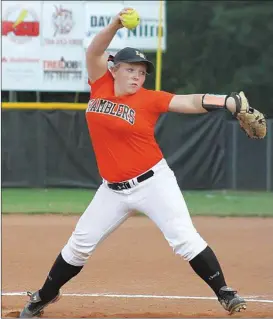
{"points": [[219, 47]]}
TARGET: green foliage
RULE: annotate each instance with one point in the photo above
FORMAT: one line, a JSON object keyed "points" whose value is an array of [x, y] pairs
{"points": [[219, 47]]}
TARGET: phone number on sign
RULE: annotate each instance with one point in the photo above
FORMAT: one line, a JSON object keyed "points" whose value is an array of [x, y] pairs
{"points": [[64, 41], [62, 75]]}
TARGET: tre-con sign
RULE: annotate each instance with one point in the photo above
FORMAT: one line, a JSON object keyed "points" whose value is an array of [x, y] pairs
{"points": [[62, 69], [20, 24]]}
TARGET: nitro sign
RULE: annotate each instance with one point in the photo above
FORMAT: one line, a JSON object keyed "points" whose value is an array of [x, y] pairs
{"points": [[148, 28], [145, 35], [96, 20]]}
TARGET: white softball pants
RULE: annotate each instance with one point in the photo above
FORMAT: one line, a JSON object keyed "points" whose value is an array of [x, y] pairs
{"points": [[158, 197]]}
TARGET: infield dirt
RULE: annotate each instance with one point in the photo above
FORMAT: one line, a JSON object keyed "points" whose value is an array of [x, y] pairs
{"points": [[136, 259]]}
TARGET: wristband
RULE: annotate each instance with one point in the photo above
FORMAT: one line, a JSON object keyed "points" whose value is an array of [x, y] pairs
{"points": [[213, 102]]}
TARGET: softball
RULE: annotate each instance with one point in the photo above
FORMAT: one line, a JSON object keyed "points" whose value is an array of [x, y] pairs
{"points": [[130, 19]]}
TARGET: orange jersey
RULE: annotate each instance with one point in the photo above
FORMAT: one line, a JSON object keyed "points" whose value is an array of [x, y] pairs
{"points": [[122, 129]]}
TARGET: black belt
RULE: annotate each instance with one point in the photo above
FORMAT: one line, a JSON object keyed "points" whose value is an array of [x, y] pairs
{"points": [[125, 185]]}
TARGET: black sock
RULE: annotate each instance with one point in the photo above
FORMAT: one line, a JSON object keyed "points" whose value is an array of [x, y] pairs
{"points": [[60, 273], [208, 268]]}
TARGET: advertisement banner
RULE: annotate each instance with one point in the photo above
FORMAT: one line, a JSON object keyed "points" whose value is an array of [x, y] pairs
{"points": [[21, 62], [145, 35], [97, 16], [44, 42], [64, 24], [63, 57], [63, 70]]}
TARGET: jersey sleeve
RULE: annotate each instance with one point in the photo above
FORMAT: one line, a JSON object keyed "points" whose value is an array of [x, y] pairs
{"points": [[106, 78], [162, 100]]}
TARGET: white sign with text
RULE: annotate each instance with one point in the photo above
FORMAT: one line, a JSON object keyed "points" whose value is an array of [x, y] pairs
{"points": [[44, 42], [64, 24], [21, 49]]}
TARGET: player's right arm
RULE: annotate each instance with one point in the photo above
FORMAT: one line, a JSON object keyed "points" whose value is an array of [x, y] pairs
{"points": [[96, 57]]}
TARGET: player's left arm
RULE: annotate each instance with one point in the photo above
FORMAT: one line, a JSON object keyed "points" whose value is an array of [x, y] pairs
{"points": [[201, 103], [252, 121]]}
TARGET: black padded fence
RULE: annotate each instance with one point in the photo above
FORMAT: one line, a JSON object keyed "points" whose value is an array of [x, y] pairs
{"points": [[52, 148]]}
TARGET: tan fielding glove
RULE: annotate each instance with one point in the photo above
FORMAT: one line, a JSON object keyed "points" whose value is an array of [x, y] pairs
{"points": [[252, 121]]}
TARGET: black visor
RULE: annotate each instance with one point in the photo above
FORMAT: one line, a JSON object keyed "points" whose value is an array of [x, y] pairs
{"points": [[131, 55]]}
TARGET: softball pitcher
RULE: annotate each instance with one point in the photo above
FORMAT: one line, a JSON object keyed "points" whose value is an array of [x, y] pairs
{"points": [[121, 116]]}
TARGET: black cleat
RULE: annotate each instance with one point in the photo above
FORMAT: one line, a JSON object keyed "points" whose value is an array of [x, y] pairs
{"points": [[35, 306], [230, 301]]}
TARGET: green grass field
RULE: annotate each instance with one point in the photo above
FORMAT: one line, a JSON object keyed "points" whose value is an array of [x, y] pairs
{"points": [[74, 201]]}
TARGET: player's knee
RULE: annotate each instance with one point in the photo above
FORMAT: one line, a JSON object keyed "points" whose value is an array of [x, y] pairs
{"points": [[190, 246], [183, 238], [77, 252], [82, 252]]}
